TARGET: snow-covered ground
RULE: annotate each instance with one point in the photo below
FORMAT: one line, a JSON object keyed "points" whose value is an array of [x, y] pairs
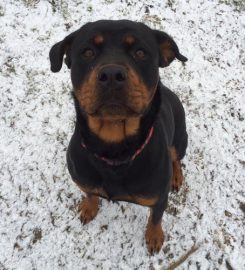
{"points": [[39, 224]]}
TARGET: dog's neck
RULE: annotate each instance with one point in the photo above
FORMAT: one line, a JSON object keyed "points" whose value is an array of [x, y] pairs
{"points": [[114, 130], [117, 139]]}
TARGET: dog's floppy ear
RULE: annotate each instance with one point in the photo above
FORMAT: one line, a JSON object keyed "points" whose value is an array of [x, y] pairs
{"points": [[168, 49], [57, 52]]}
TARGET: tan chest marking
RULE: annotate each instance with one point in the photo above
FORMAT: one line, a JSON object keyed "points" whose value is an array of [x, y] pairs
{"points": [[141, 200], [114, 131]]}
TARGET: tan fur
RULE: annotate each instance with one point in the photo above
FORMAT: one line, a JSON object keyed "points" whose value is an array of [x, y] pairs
{"points": [[141, 200], [93, 191], [139, 95], [99, 39], [130, 40], [154, 236], [145, 201], [167, 52], [86, 94], [113, 130], [173, 153], [177, 177], [88, 208]]}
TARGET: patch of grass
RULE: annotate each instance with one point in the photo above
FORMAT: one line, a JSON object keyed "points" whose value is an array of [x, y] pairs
{"points": [[238, 4], [2, 11], [44, 37], [170, 3], [31, 3], [37, 235], [242, 207], [2, 267], [60, 6], [152, 20], [30, 75], [8, 67], [89, 8]]}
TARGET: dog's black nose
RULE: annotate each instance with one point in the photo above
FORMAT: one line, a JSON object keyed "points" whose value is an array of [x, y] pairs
{"points": [[112, 75]]}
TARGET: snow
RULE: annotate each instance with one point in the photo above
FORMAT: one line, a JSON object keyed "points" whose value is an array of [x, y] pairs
{"points": [[204, 223]]}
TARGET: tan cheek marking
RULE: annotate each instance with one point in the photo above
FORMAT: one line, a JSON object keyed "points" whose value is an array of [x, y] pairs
{"points": [[141, 95], [137, 86], [86, 93]]}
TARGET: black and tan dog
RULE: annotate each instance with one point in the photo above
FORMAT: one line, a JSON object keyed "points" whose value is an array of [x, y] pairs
{"points": [[130, 132]]}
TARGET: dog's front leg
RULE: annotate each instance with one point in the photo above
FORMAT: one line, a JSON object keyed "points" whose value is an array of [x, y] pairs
{"points": [[154, 235], [88, 208]]}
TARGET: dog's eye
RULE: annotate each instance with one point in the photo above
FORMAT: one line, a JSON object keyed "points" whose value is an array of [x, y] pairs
{"points": [[88, 53], [140, 54]]}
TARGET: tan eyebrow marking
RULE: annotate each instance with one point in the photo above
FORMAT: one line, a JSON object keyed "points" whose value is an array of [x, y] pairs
{"points": [[99, 39], [130, 39]]}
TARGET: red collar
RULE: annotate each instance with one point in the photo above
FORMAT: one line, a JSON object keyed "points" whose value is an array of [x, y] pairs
{"points": [[115, 162]]}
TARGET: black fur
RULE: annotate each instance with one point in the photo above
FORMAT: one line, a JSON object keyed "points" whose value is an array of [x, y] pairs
{"points": [[150, 173]]}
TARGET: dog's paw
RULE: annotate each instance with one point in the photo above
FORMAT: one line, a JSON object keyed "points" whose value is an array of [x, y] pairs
{"points": [[177, 178], [154, 238], [88, 209]]}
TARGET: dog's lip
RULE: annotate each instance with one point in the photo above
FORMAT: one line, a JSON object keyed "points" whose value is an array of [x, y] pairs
{"points": [[111, 104]]}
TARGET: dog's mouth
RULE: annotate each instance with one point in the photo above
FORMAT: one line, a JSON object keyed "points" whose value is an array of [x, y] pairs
{"points": [[113, 110]]}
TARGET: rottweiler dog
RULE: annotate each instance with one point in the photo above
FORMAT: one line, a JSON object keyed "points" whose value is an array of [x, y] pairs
{"points": [[130, 132]]}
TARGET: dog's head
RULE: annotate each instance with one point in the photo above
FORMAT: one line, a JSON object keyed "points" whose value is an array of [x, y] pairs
{"points": [[114, 66]]}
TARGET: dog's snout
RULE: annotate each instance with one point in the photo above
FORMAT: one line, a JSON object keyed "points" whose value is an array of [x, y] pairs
{"points": [[112, 75]]}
